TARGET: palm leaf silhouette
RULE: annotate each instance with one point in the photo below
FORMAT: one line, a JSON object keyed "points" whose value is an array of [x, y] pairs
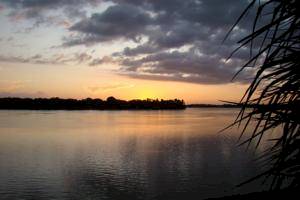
{"points": [[272, 99]]}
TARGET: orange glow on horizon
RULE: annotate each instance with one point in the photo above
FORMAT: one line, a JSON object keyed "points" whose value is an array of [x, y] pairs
{"points": [[83, 82]]}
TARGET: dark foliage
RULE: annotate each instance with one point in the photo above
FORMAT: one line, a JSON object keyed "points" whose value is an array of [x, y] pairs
{"points": [[89, 104], [274, 91]]}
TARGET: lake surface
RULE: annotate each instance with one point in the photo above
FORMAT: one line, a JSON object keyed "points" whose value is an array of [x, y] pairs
{"points": [[122, 155]]}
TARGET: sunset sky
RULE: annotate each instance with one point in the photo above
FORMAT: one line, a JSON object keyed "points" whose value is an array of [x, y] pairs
{"points": [[123, 48]]}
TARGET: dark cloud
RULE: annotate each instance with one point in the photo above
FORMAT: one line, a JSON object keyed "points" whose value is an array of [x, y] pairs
{"points": [[104, 60], [46, 4], [37, 10], [188, 66], [141, 49], [116, 22], [36, 59], [57, 59], [182, 40], [177, 40]]}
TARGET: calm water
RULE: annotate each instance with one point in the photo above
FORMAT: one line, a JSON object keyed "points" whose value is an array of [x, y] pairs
{"points": [[121, 155]]}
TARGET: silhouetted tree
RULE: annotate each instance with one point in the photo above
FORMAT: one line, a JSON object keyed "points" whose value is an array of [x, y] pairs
{"points": [[111, 103], [274, 45]]}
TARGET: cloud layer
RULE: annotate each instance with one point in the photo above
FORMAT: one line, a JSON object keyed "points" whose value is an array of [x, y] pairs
{"points": [[174, 39]]}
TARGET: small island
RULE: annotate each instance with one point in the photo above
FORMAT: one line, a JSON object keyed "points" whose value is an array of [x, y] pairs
{"points": [[111, 103]]}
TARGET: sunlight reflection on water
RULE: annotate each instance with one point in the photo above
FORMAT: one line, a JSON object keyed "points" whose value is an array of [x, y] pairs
{"points": [[121, 155]]}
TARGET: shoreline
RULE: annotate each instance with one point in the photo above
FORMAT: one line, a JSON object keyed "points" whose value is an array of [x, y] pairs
{"points": [[111, 103]]}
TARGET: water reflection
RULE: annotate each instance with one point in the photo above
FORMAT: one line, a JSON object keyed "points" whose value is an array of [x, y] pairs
{"points": [[121, 155]]}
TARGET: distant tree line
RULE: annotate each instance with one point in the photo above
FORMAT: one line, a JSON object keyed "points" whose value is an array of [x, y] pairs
{"points": [[214, 106], [110, 103]]}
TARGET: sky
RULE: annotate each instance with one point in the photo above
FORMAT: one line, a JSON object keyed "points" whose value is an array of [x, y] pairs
{"points": [[124, 48]]}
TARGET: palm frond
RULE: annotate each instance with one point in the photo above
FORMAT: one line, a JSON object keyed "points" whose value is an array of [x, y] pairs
{"points": [[272, 100]]}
